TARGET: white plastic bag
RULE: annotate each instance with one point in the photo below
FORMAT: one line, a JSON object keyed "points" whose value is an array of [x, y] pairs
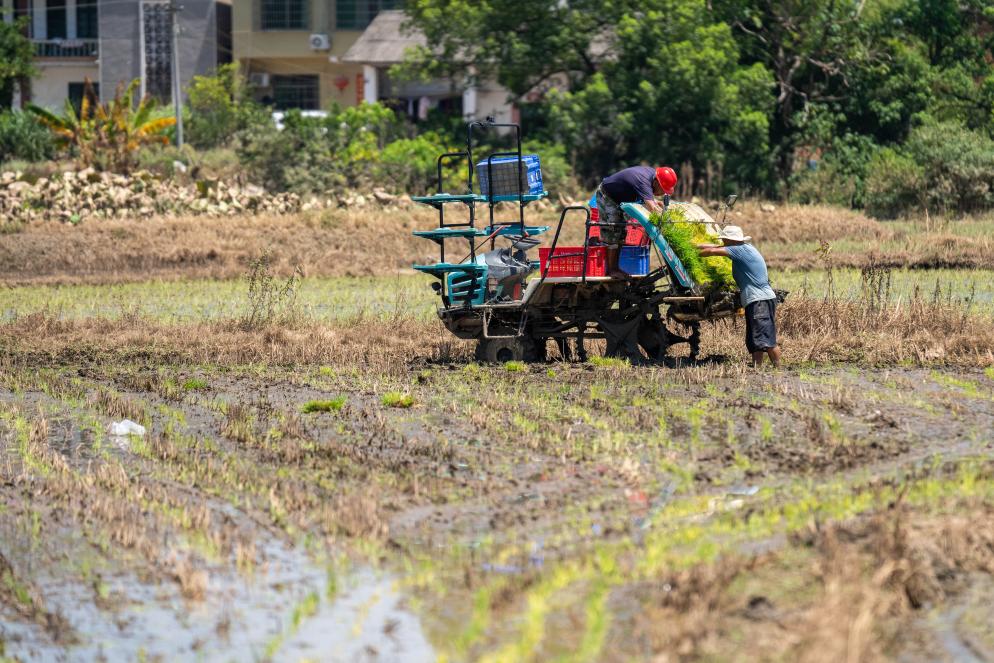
{"points": [[126, 427]]}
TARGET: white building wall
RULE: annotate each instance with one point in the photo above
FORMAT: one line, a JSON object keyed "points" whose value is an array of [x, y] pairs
{"points": [[50, 88], [491, 100], [469, 99], [371, 89]]}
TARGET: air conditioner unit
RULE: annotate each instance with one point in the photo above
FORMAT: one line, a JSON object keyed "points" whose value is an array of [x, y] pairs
{"points": [[259, 79], [320, 42]]}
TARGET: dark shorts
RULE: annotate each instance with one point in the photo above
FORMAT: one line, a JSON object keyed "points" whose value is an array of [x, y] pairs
{"points": [[610, 213], [761, 326]]}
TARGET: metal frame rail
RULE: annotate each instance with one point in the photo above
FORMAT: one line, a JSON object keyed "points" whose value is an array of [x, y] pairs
{"points": [[490, 124], [469, 198]]}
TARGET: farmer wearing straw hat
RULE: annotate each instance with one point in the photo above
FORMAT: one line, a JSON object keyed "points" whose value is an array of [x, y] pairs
{"points": [[758, 298], [631, 185]]}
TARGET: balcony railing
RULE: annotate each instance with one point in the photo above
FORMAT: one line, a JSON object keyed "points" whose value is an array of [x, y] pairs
{"points": [[66, 48]]}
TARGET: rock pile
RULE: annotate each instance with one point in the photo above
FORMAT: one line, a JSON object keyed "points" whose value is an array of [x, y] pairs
{"points": [[73, 196]]}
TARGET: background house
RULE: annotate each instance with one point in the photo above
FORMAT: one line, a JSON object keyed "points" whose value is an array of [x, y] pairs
{"points": [[292, 49], [383, 45], [308, 54], [114, 41]]}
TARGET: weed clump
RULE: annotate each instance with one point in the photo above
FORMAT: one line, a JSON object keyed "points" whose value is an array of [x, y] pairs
{"points": [[683, 236], [330, 405], [514, 366], [195, 384], [270, 301], [397, 399], [609, 362]]}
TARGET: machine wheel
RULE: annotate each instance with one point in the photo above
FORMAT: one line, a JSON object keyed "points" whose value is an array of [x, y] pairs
{"points": [[500, 350]]}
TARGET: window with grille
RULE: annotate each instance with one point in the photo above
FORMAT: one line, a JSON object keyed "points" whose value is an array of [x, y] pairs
{"points": [[358, 14], [86, 19], [300, 91], [55, 19], [157, 26], [284, 15]]}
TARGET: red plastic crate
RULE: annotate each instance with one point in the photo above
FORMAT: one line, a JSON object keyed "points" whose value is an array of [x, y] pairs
{"points": [[573, 265], [634, 235]]}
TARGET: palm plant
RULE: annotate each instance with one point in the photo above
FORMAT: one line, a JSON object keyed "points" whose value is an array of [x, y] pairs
{"points": [[107, 135]]}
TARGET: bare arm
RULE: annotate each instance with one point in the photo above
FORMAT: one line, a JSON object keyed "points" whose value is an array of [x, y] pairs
{"points": [[652, 205], [709, 250]]}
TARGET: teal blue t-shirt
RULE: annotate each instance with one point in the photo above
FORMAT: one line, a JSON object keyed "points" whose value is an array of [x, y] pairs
{"points": [[749, 270]]}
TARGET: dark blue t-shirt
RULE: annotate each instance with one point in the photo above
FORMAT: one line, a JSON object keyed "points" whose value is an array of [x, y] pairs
{"points": [[630, 185]]}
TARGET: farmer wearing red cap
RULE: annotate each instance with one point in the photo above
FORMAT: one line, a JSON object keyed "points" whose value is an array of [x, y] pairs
{"points": [[638, 184]]}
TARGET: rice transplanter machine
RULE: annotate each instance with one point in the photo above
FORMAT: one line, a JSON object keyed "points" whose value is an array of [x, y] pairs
{"points": [[513, 305]]}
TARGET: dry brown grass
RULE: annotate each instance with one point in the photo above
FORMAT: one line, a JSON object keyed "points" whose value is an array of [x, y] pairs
{"points": [[804, 223], [375, 345], [811, 330], [684, 623], [917, 332], [378, 241], [324, 243], [925, 245]]}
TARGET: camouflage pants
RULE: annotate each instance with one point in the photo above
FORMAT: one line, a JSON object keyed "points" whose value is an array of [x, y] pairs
{"points": [[609, 213]]}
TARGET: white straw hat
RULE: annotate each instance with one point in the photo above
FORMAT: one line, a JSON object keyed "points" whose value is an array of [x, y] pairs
{"points": [[734, 234]]}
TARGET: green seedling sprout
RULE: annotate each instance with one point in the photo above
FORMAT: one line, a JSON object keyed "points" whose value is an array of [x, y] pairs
{"points": [[329, 405], [397, 399]]}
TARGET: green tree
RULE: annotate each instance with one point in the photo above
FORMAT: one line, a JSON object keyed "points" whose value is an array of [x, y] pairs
{"points": [[518, 44], [943, 167], [811, 47], [673, 91], [218, 106], [316, 155], [656, 80], [953, 32], [16, 59], [678, 75]]}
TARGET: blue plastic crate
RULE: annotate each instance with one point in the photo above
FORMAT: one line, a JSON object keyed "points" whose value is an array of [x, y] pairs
{"points": [[505, 175], [634, 260]]}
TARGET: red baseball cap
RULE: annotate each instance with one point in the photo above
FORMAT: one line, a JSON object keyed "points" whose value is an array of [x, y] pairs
{"points": [[666, 177]]}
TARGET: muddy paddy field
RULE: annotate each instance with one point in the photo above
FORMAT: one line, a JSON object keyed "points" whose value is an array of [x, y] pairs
{"points": [[337, 480]]}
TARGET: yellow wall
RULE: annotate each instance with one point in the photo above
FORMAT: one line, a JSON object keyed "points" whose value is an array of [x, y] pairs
{"points": [[289, 51], [327, 71], [250, 42]]}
